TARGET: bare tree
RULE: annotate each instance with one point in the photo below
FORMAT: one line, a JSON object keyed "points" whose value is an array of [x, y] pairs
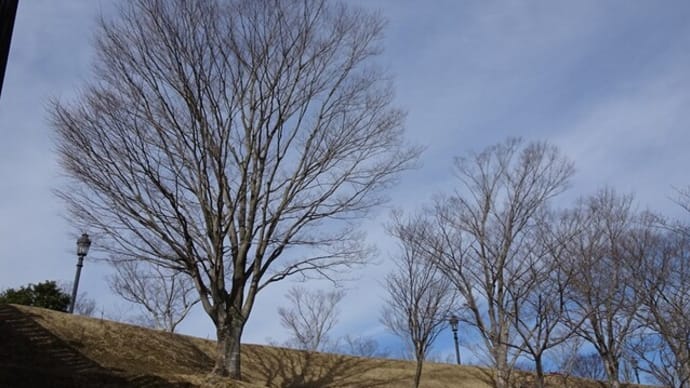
{"points": [[361, 346], [165, 296], [237, 141], [540, 309], [683, 198], [485, 234], [589, 366], [604, 255], [564, 356], [84, 305], [420, 298], [662, 349], [310, 317]]}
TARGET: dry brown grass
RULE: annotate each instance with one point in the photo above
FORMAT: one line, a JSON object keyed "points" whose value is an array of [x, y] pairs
{"points": [[128, 350]]}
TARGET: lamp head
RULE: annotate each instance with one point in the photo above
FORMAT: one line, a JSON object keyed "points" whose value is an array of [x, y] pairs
{"points": [[453, 320], [83, 245]]}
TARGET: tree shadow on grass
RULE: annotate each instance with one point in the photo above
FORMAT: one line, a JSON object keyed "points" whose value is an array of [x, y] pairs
{"points": [[521, 379], [483, 374], [288, 368], [182, 355]]}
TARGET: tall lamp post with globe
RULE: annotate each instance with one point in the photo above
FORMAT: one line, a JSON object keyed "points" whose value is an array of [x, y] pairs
{"points": [[83, 244], [453, 320]]}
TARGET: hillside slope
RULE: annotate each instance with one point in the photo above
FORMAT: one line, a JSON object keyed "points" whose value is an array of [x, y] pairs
{"points": [[41, 347]]}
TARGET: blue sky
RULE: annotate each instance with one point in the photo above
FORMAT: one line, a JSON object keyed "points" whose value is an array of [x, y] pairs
{"points": [[606, 81]]}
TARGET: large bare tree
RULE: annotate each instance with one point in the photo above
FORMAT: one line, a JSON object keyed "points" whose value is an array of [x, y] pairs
{"points": [[485, 235], [236, 141]]}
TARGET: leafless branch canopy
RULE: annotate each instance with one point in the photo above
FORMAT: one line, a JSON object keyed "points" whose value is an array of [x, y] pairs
{"points": [[310, 316], [541, 303], [235, 140], [165, 296], [614, 241], [486, 236], [662, 349], [420, 298]]}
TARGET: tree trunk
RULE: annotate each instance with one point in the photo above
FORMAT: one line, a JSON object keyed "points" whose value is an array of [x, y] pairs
{"points": [[418, 372], [502, 373], [685, 377], [612, 373], [228, 334], [539, 382], [501, 378]]}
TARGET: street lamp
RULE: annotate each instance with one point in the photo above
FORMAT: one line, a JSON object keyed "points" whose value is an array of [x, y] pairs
{"points": [[636, 368], [83, 244], [453, 320]]}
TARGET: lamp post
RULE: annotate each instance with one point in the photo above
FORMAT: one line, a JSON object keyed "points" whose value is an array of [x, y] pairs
{"points": [[636, 369], [453, 320], [83, 244]]}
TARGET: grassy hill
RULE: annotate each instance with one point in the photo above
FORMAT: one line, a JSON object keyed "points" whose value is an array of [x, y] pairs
{"points": [[40, 347]]}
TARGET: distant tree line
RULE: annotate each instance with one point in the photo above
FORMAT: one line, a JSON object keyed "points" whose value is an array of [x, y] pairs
{"points": [[532, 278], [535, 281]]}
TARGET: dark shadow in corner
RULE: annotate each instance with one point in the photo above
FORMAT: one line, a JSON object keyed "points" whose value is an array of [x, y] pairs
{"points": [[289, 368], [31, 356]]}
